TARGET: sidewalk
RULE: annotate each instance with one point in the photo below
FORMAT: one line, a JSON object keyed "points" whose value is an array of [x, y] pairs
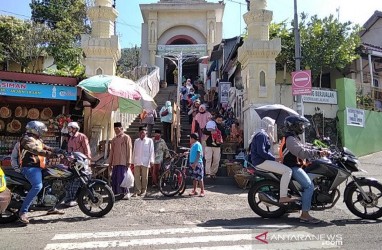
{"points": [[372, 164]]}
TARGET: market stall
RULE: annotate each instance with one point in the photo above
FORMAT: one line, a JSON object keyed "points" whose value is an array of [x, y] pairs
{"points": [[21, 102]]}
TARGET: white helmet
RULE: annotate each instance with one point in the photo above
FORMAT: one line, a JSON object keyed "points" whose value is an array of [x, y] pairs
{"points": [[74, 125]]}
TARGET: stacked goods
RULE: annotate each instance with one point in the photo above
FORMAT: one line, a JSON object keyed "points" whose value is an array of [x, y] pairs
{"points": [[46, 114], [5, 112], [33, 114]]}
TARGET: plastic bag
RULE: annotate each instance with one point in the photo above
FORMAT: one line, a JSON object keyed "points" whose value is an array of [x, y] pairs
{"points": [[128, 180]]}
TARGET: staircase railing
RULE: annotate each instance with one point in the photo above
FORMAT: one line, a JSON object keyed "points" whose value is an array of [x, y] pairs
{"points": [[150, 82]]}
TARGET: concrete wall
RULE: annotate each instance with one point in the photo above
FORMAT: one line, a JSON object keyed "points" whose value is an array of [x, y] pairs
{"points": [[361, 140]]}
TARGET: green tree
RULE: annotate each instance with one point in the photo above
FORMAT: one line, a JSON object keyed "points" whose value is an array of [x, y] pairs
{"points": [[67, 19], [326, 44], [286, 57], [22, 42], [129, 60]]}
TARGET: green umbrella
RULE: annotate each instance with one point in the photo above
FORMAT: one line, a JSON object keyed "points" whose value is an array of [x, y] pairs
{"points": [[118, 93]]}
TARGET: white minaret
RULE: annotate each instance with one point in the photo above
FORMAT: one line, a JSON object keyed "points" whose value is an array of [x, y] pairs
{"points": [[257, 56], [101, 47], [102, 51]]}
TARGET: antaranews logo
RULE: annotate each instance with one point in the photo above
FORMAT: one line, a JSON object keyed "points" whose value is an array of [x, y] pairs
{"points": [[262, 237], [322, 239]]}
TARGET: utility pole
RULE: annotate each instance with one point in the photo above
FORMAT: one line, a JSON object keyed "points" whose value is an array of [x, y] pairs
{"points": [[297, 55]]}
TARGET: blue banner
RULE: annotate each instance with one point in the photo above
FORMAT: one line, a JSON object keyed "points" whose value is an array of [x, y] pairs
{"points": [[38, 91]]}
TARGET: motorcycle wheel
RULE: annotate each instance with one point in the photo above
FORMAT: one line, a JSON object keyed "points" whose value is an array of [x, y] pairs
{"points": [[361, 208], [261, 208], [103, 196]]}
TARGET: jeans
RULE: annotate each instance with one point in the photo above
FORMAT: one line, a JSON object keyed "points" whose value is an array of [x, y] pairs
{"points": [[301, 177], [34, 176]]}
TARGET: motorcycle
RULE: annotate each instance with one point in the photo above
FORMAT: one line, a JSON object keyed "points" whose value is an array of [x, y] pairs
{"points": [[94, 197], [361, 194]]}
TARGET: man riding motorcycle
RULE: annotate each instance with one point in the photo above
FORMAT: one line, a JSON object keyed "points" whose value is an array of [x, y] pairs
{"points": [[294, 155], [32, 153]]}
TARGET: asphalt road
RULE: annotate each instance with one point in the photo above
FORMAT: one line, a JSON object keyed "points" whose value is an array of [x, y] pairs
{"points": [[220, 220]]}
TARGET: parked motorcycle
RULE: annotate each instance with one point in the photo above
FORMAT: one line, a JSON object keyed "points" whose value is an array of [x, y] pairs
{"points": [[361, 194], [95, 198]]}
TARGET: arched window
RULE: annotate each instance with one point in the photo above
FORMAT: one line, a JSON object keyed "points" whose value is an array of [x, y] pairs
{"points": [[99, 71], [262, 79]]}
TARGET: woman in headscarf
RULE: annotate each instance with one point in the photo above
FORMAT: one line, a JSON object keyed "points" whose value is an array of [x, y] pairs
{"points": [[262, 157], [200, 121], [194, 109]]}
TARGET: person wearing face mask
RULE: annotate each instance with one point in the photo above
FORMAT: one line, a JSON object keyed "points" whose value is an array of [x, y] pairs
{"points": [[161, 152], [120, 158], [262, 157], [194, 109], [199, 123], [78, 142], [166, 118]]}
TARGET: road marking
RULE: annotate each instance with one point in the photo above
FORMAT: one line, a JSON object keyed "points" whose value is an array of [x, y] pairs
{"points": [[167, 231], [271, 246], [184, 239]]}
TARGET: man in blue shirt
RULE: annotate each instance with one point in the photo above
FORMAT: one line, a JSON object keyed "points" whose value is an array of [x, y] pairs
{"points": [[196, 164]]}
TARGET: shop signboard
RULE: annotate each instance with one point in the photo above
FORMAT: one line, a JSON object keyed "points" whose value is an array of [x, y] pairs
{"points": [[31, 90], [321, 96]]}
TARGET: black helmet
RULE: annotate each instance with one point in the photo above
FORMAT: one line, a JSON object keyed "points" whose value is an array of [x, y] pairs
{"points": [[296, 124], [36, 127]]}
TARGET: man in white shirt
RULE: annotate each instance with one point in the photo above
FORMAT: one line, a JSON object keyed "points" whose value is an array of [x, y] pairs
{"points": [[143, 159]]}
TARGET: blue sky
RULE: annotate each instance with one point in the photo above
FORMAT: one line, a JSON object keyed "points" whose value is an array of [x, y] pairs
{"points": [[130, 19]]}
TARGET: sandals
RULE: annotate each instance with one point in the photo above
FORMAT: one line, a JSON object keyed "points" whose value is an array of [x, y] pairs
{"points": [[201, 194], [193, 193], [310, 220]]}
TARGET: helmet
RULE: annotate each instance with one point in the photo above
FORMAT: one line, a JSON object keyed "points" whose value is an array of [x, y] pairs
{"points": [[74, 125], [296, 124], [36, 127]]}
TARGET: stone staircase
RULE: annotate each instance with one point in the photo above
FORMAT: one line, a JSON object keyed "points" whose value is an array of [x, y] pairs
{"points": [[164, 95]]}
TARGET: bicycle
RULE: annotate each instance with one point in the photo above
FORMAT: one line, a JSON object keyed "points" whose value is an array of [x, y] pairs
{"points": [[172, 180]]}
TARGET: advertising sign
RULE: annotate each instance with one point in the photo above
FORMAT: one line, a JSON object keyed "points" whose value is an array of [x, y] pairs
{"points": [[355, 117], [301, 82], [321, 96], [31, 90]]}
